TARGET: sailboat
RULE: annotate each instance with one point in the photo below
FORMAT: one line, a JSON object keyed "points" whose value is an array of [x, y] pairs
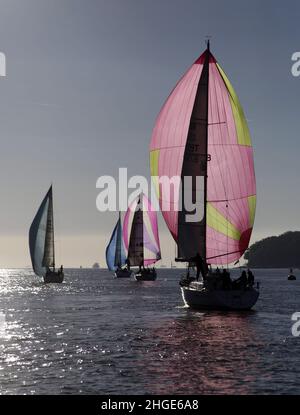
{"points": [[115, 253], [201, 133], [141, 238], [41, 242], [291, 276]]}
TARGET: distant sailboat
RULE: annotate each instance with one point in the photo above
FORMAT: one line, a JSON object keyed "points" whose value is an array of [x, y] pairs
{"points": [[115, 253], [141, 238], [41, 242], [291, 276], [201, 133]]}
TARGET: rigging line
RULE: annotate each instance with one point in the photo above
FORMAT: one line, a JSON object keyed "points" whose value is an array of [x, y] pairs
{"points": [[231, 144], [212, 145], [227, 253], [231, 199]]}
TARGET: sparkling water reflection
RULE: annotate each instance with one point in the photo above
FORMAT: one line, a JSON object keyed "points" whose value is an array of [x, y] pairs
{"points": [[93, 334]]}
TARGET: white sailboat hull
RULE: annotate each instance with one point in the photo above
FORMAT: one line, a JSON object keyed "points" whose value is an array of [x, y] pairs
{"points": [[196, 296]]}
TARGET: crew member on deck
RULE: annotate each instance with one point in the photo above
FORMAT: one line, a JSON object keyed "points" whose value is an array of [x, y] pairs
{"points": [[226, 280], [200, 266], [128, 264], [250, 278], [241, 282]]}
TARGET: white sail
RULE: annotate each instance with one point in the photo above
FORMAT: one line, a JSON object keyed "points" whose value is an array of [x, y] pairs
{"points": [[41, 237]]}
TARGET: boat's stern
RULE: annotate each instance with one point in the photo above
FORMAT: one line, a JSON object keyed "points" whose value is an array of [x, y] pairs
{"points": [[203, 298]]}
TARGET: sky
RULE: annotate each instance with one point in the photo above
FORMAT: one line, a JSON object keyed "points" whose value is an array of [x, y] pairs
{"points": [[85, 82]]}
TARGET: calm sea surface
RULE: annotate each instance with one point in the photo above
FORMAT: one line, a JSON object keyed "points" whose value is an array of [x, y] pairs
{"points": [[97, 335]]}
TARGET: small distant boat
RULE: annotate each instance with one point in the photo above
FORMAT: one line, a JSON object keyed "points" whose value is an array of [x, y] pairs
{"points": [[291, 276], [141, 238], [123, 273], [201, 133], [146, 274], [41, 242], [115, 253]]}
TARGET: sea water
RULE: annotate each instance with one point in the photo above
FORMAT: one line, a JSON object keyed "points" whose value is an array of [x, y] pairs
{"points": [[97, 335]]}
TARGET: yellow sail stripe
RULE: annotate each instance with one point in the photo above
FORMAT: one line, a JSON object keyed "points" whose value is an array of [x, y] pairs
{"points": [[154, 158], [219, 223], [241, 125], [252, 207]]}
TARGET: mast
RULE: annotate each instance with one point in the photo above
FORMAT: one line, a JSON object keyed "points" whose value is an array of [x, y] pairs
{"points": [[118, 252], [141, 205], [136, 240], [192, 234], [52, 230], [206, 152], [49, 252], [140, 233]]}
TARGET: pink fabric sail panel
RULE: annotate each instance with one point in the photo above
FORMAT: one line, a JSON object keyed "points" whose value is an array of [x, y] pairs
{"points": [[170, 134], [151, 244], [231, 185]]}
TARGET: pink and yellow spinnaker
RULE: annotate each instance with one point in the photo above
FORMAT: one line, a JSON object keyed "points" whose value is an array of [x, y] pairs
{"points": [[140, 233], [201, 131]]}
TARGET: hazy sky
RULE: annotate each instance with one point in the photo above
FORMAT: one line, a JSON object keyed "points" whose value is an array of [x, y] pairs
{"points": [[85, 82]]}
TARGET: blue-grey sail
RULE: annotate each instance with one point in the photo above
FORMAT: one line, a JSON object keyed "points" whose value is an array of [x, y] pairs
{"points": [[115, 253], [41, 237]]}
